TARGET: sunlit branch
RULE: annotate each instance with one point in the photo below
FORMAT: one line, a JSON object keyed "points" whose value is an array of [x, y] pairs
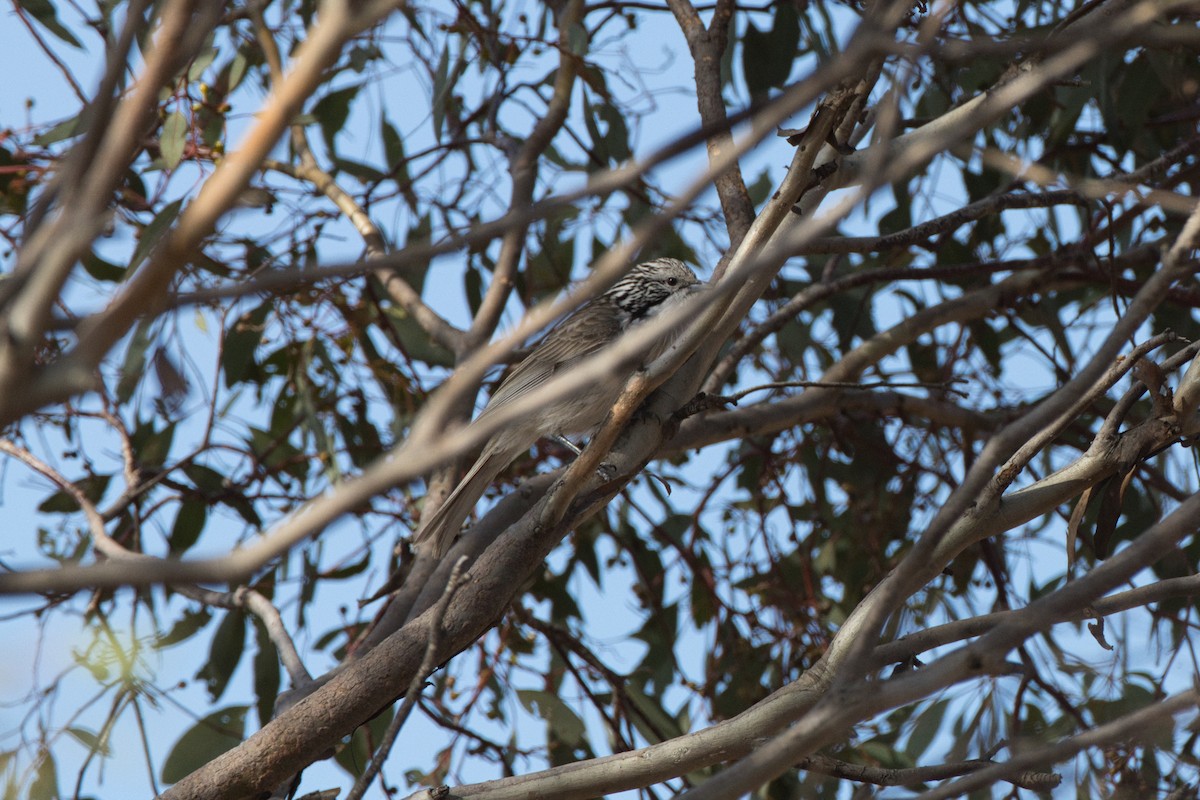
{"points": [[912, 645], [920, 235]]}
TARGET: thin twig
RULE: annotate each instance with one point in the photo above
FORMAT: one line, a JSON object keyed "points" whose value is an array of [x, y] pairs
{"points": [[885, 776], [944, 386]]}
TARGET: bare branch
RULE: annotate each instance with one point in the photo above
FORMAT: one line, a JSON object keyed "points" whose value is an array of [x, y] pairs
{"points": [[912, 645], [921, 235], [883, 776], [707, 46]]}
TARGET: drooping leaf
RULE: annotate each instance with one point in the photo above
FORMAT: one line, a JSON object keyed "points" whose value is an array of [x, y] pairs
{"points": [[45, 779], [133, 369], [47, 15], [92, 487], [189, 523], [241, 341], [191, 622], [224, 653], [216, 733], [354, 755], [929, 722], [174, 137], [767, 56], [153, 233], [332, 111], [564, 723], [266, 673], [441, 89], [90, 740]]}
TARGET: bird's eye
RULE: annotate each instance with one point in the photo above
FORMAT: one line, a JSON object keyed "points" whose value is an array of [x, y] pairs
{"points": [[672, 281]]}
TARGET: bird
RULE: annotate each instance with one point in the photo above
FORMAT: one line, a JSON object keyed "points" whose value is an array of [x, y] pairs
{"points": [[645, 291]]}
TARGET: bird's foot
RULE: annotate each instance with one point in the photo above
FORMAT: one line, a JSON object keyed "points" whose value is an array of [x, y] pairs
{"points": [[703, 402], [567, 443]]}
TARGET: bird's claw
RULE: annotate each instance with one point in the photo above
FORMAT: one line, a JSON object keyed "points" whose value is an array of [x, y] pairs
{"points": [[704, 402]]}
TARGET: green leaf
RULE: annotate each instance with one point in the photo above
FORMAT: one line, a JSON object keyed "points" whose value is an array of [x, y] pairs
{"points": [[611, 145], [652, 720], [235, 71], [332, 111], [133, 368], [702, 595], [66, 129], [210, 737], [440, 91], [362, 55], [152, 446], [210, 482], [184, 628], [355, 754], [15, 181], [660, 633], [189, 522], [228, 644], [564, 723], [173, 141], [90, 740], [767, 56], [154, 232], [277, 454], [927, 726], [45, 781], [363, 172], [393, 146], [577, 39], [760, 190], [349, 570], [988, 342], [200, 63], [93, 488], [415, 340], [102, 270], [237, 355], [852, 317], [266, 674], [44, 12]]}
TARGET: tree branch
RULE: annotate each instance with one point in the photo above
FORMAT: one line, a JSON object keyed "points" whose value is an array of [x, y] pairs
{"points": [[910, 776]]}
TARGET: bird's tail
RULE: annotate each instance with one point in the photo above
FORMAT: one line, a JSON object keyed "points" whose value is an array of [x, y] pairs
{"points": [[444, 524]]}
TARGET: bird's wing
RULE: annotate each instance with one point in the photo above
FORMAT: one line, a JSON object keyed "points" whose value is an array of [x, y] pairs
{"points": [[562, 348]]}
